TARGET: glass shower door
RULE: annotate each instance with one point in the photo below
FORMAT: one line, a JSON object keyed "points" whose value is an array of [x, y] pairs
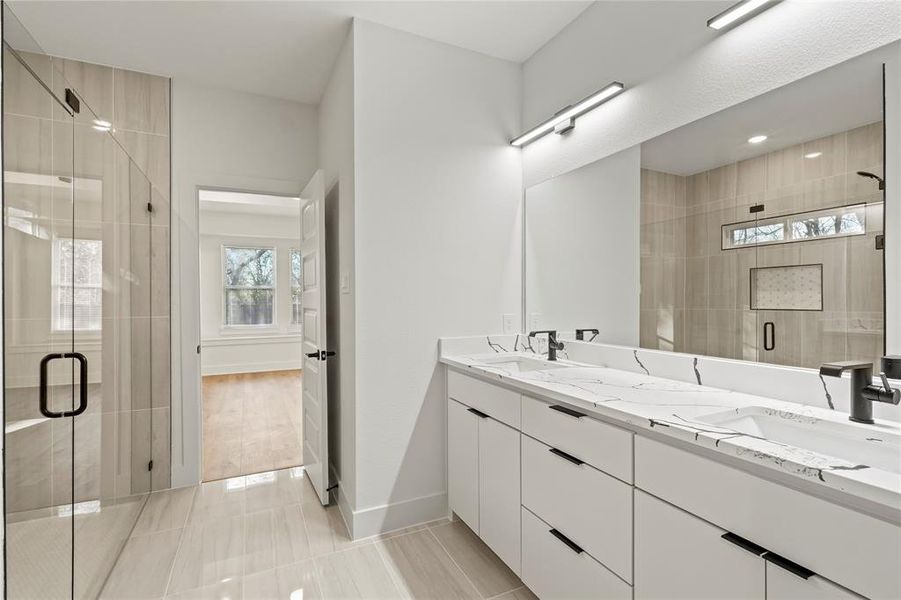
{"points": [[41, 367]]}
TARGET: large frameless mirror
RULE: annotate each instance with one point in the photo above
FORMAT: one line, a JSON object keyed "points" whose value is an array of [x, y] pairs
{"points": [[755, 233]]}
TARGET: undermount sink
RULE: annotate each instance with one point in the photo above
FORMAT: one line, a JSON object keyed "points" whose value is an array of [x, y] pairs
{"points": [[521, 364], [877, 447]]}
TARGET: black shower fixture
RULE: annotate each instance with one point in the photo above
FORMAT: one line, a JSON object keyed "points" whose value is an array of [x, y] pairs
{"points": [[873, 176]]}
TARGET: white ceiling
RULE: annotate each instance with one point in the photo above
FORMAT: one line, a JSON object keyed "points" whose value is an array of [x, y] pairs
{"points": [[248, 203], [274, 48], [838, 99]]}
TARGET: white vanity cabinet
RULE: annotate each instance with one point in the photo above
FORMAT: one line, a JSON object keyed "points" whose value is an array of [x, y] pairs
{"points": [[483, 463], [677, 555], [581, 508]]}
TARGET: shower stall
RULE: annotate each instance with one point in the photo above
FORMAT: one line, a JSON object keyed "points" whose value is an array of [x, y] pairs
{"points": [[85, 329]]}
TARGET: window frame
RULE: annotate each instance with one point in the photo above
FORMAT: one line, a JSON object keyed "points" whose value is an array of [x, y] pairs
{"points": [[292, 326], [788, 221], [223, 288]]}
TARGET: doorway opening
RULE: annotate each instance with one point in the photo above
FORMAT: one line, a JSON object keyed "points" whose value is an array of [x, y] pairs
{"points": [[251, 333]]}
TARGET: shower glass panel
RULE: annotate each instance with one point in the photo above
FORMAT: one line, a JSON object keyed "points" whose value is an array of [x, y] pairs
{"points": [[78, 285]]}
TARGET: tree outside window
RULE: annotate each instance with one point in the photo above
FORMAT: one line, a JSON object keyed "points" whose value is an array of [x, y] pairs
{"points": [[296, 286], [249, 286]]}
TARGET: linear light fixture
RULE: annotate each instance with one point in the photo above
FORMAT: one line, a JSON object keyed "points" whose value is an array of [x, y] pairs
{"points": [[568, 114], [742, 10]]}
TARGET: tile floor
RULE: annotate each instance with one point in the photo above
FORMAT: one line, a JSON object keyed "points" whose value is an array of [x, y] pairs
{"points": [[266, 536], [251, 423]]}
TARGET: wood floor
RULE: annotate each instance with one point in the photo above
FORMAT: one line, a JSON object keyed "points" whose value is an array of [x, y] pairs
{"points": [[252, 422], [267, 536]]}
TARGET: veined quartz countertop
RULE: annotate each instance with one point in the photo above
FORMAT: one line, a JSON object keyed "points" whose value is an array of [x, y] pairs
{"points": [[672, 408]]}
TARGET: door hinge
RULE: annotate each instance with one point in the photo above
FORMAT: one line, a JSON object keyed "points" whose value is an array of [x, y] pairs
{"points": [[73, 101], [150, 466], [149, 207], [880, 242], [198, 348]]}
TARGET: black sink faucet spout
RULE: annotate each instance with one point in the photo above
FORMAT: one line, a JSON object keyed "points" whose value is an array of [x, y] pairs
{"points": [[552, 344], [863, 392]]}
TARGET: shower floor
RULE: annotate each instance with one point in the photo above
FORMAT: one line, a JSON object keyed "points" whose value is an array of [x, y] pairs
{"points": [[39, 549]]}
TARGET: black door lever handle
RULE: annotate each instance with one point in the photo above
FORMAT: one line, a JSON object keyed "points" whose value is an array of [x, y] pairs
{"points": [[312, 354]]}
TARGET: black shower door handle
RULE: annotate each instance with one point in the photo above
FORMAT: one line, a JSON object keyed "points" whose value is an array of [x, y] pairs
{"points": [[769, 336], [82, 380]]}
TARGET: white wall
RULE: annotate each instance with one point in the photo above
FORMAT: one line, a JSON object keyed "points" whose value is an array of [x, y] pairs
{"points": [[437, 217], [336, 159], [231, 140], [787, 42], [893, 201], [247, 350], [582, 249]]}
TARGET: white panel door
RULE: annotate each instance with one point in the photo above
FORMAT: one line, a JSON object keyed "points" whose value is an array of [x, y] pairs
{"points": [[315, 342], [499, 499], [463, 463]]}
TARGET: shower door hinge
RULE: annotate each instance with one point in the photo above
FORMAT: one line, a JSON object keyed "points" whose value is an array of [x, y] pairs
{"points": [[72, 101], [756, 208], [880, 242], [150, 466], [149, 207]]}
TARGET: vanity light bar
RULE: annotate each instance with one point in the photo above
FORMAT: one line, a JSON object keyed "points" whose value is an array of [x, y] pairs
{"points": [[745, 9], [569, 113]]}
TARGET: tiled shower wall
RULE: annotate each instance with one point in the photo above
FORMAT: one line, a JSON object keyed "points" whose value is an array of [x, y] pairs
{"points": [[127, 424], [695, 297]]}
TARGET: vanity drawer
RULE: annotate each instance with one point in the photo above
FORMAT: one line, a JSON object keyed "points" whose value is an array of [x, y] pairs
{"points": [[498, 403], [603, 446], [551, 569], [855, 550], [589, 507]]}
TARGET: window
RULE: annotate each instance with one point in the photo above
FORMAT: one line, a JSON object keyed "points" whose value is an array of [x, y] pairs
{"points": [[249, 286], [78, 284], [296, 286], [813, 225]]}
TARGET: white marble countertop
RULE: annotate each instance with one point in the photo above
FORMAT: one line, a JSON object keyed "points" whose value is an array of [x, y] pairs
{"points": [[672, 408]]}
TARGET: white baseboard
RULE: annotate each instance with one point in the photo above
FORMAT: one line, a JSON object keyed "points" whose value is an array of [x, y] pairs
{"points": [[284, 365], [397, 515]]}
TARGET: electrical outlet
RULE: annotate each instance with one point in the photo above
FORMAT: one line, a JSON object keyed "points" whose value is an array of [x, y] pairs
{"points": [[509, 327]]}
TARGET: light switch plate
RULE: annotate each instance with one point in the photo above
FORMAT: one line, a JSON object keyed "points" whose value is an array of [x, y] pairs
{"points": [[509, 327]]}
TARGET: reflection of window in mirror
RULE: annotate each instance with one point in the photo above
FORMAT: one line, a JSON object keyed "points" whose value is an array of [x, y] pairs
{"points": [[77, 284], [716, 207]]}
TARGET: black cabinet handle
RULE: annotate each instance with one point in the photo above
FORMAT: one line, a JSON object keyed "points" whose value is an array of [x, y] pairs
{"points": [[566, 456], [82, 385], [769, 336], [567, 411], [569, 543], [744, 544], [477, 413], [791, 567]]}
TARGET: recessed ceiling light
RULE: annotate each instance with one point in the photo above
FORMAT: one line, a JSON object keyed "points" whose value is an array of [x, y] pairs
{"points": [[569, 113], [741, 11], [756, 139], [813, 155]]}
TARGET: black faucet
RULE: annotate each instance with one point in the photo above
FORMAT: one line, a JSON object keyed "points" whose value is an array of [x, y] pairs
{"points": [[580, 333], [863, 392], [552, 344]]}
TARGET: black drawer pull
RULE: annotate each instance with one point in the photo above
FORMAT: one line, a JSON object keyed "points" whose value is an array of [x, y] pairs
{"points": [[569, 543], [567, 411], [477, 413], [744, 544], [791, 567], [566, 456]]}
